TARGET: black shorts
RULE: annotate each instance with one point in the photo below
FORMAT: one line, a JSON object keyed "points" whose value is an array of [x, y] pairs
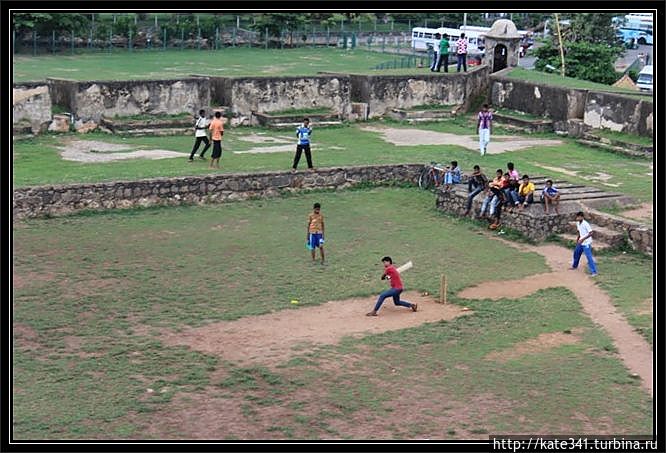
{"points": [[217, 149]]}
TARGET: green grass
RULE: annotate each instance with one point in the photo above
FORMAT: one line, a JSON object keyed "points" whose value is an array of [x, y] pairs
{"points": [[36, 161], [517, 114], [173, 64], [569, 82], [101, 278], [624, 137], [629, 281]]}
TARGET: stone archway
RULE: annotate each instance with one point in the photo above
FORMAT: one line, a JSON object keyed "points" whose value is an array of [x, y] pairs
{"points": [[499, 57]]}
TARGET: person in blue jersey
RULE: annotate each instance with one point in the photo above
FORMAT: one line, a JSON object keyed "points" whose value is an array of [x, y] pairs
{"points": [[303, 133]]}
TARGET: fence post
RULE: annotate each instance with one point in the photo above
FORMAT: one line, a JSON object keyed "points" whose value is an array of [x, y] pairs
{"points": [[164, 41], [266, 38], [217, 38], [130, 38], [34, 42], [384, 44], [281, 39], [53, 42], [72, 42], [353, 39], [328, 36], [110, 39], [233, 43], [182, 38], [198, 35]]}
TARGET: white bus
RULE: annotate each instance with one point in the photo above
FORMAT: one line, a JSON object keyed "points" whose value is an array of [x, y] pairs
{"points": [[424, 38]]}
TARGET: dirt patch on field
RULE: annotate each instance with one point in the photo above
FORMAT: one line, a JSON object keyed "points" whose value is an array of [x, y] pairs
{"points": [[25, 337], [260, 138], [634, 351], [268, 149], [270, 338], [23, 279], [542, 343], [96, 151], [558, 169], [646, 308], [641, 213], [498, 144]]}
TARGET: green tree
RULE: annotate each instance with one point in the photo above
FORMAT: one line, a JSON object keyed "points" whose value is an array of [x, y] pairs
{"points": [[277, 23], [583, 60], [590, 48], [44, 23]]}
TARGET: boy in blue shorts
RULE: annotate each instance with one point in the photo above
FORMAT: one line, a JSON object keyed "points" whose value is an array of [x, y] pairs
{"points": [[315, 232]]}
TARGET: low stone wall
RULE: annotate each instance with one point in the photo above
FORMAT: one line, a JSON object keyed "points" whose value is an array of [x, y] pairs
{"points": [[639, 236], [64, 199], [619, 113], [31, 105], [385, 93], [533, 223]]}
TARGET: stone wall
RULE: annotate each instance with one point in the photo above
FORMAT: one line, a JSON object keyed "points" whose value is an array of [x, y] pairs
{"points": [[271, 94], [532, 222], [619, 113], [32, 105], [597, 109], [91, 100], [384, 93], [557, 103], [639, 236], [64, 199]]}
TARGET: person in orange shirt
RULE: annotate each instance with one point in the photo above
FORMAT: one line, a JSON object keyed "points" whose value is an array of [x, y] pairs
{"points": [[217, 131], [315, 232]]}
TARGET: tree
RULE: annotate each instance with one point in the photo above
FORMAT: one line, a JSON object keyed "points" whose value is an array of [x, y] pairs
{"points": [[44, 23], [583, 60], [590, 49], [276, 23]]}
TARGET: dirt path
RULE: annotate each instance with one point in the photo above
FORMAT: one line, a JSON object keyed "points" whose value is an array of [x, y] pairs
{"points": [[634, 351], [269, 339], [97, 151], [498, 143]]}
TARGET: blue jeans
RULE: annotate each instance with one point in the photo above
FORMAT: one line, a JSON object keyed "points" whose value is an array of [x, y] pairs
{"points": [[578, 251], [462, 60], [486, 201], [511, 196], [395, 293], [472, 194], [529, 199], [451, 178]]}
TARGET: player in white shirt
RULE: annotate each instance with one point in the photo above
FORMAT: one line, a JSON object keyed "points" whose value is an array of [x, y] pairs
{"points": [[200, 135], [584, 244]]}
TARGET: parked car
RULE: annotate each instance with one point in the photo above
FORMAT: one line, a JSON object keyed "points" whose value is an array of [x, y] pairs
{"points": [[644, 81]]}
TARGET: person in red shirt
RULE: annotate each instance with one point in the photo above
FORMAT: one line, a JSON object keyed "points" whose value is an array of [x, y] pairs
{"points": [[391, 273]]}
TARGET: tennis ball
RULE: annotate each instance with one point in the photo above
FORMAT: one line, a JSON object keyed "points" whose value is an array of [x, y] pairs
{"points": [[294, 301]]}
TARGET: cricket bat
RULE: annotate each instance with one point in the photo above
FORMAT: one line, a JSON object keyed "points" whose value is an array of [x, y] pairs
{"points": [[404, 267]]}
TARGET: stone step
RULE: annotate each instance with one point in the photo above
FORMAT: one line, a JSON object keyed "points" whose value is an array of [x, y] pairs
{"points": [[614, 149], [156, 132], [620, 143], [611, 237], [571, 238], [295, 125]]}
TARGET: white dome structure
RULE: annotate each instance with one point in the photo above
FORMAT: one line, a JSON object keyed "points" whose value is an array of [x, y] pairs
{"points": [[503, 28]]}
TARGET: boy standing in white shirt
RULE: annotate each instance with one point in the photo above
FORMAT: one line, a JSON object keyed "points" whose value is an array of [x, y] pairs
{"points": [[584, 244], [201, 135]]}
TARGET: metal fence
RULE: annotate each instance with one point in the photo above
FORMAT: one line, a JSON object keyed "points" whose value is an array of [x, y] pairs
{"points": [[107, 40]]}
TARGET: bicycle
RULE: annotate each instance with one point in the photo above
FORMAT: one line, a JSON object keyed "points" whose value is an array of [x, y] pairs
{"points": [[431, 176]]}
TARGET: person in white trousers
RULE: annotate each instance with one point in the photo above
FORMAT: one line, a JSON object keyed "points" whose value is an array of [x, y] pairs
{"points": [[485, 126]]}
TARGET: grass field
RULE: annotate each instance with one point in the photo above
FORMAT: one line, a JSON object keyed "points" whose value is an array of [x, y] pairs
{"points": [[36, 161], [171, 64], [92, 292], [569, 82]]}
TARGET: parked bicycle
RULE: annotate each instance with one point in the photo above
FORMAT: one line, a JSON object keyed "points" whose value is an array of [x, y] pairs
{"points": [[431, 176]]}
